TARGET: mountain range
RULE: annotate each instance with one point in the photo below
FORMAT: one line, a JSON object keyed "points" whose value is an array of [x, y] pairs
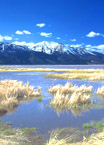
{"points": [[48, 53]]}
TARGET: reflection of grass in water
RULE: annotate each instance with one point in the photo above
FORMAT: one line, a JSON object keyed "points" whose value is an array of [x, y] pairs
{"points": [[12, 136], [76, 109]]}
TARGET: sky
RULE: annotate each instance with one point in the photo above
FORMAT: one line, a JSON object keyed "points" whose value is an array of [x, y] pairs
{"points": [[79, 23]]}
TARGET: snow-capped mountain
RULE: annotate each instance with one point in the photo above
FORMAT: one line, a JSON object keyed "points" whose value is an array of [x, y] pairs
{"points": [[48, 53], [53, 47], [46, 47]]}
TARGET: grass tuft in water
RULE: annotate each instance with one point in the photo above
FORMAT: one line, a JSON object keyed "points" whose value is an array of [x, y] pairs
{"points": [[13, 93]]}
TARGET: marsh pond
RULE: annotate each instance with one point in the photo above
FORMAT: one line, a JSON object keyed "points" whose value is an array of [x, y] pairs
{"points": [[38, 113]]}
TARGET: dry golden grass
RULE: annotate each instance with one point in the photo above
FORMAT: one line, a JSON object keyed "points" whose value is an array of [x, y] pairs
{"points": [[79, 98], [54, 139], [13, 92], [60, 99], [70, 97], [69, 88], [80, 74], [100, 91], [16, 69], [95, 139], [65, 100]]}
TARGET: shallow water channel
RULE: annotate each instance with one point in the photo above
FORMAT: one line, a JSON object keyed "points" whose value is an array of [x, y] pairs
{"points": [[40, 115]]}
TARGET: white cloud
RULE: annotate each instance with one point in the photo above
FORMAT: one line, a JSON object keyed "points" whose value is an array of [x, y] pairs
{"points": [[94, 34], [18, 32], [2, 38], [40, 25], [73, 40], [58, 38], [23, 43], [26, 32], [46, 34]]}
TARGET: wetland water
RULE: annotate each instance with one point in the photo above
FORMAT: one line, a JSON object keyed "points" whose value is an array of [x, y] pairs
{"points": [[39, 114]]}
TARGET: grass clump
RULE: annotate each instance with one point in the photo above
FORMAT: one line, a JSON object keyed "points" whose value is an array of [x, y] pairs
{"points": [[13, 92], [77, 94], [69, 88], [77, 102]]}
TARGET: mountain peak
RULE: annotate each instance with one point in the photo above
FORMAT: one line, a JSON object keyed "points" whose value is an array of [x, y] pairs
{"points": [[51, 47]]}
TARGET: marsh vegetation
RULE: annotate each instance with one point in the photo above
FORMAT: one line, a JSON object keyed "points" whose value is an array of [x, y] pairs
{"points": [[91, 74], [77, 137], [70, 96], [66, 105], [14, 136], [13, 93]]}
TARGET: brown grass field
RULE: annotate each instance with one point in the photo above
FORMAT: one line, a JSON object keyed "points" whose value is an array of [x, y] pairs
{"points": [[80, 74]]}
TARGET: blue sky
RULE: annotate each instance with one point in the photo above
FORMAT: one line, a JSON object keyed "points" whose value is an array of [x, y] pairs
{"points": [[74, 22]]}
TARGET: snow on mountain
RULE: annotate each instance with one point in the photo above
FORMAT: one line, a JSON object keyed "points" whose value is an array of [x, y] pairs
{"points": [[50, 47], [53, 47]]}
